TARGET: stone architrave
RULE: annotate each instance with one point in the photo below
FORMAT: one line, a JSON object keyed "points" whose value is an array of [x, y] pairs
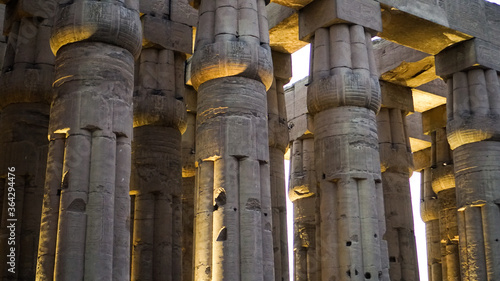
{"points": [[278, 142], [85, 231], [231, 70], [473, 132], [344, 98], [25, 92], [396, 166]]}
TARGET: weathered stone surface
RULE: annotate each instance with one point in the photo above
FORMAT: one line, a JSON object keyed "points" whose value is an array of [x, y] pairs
{"points": [[25, 83], [473, 132], [420, 25], [468, 55], [434, 119], [394, 96], [3, 39], [303, 193], [24, 147], [167, 34], [402, 65], [182, 12], [430, 95], [278, 142], [418, 140], [232, 69], [88, 237], [429, 211], [396, 166], [96, 21], [323, 13], [344, 97], [283, 28], [473, 107], [300, 122]]}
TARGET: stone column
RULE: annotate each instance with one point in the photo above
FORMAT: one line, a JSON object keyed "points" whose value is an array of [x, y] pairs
{"points": [[302, 186], [429, 211], [473, 131], [85, 231], [443, 185], [278, 142], [231, 70], [396, 165], [188, 185], [344, 97], [25, 92], [303, 194], [159, 121], [3, 38]]}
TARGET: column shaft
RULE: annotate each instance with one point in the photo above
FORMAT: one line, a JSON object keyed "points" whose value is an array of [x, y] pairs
{"points": [[231, 70], [278, 141], [396, 160], [92, 108], [25, 82], [344, 97]]}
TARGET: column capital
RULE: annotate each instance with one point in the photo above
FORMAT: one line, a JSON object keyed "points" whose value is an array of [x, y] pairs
{"points": [[467, 55], [97, 21], [324, 13]]}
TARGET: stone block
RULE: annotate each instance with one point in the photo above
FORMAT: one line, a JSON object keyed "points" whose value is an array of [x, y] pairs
{"points": [[168, 34], [401, 25], [422, 159], [466, 55], [418, 140], [467, 16], [190, 99], [182, 12], [300, 126], [389, 55], [283, 28], [430, 95], [324, 13], [282, 63], [434, 119], [152, 7], [296, 99], [395, 96]]}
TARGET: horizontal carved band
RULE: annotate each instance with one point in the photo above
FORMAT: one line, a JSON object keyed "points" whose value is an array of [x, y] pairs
{"points": [[348, 89], [160, 111], [27, 85], [443, 178], [103, 22], [232, 58], [429, 210], [461, 131]]}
